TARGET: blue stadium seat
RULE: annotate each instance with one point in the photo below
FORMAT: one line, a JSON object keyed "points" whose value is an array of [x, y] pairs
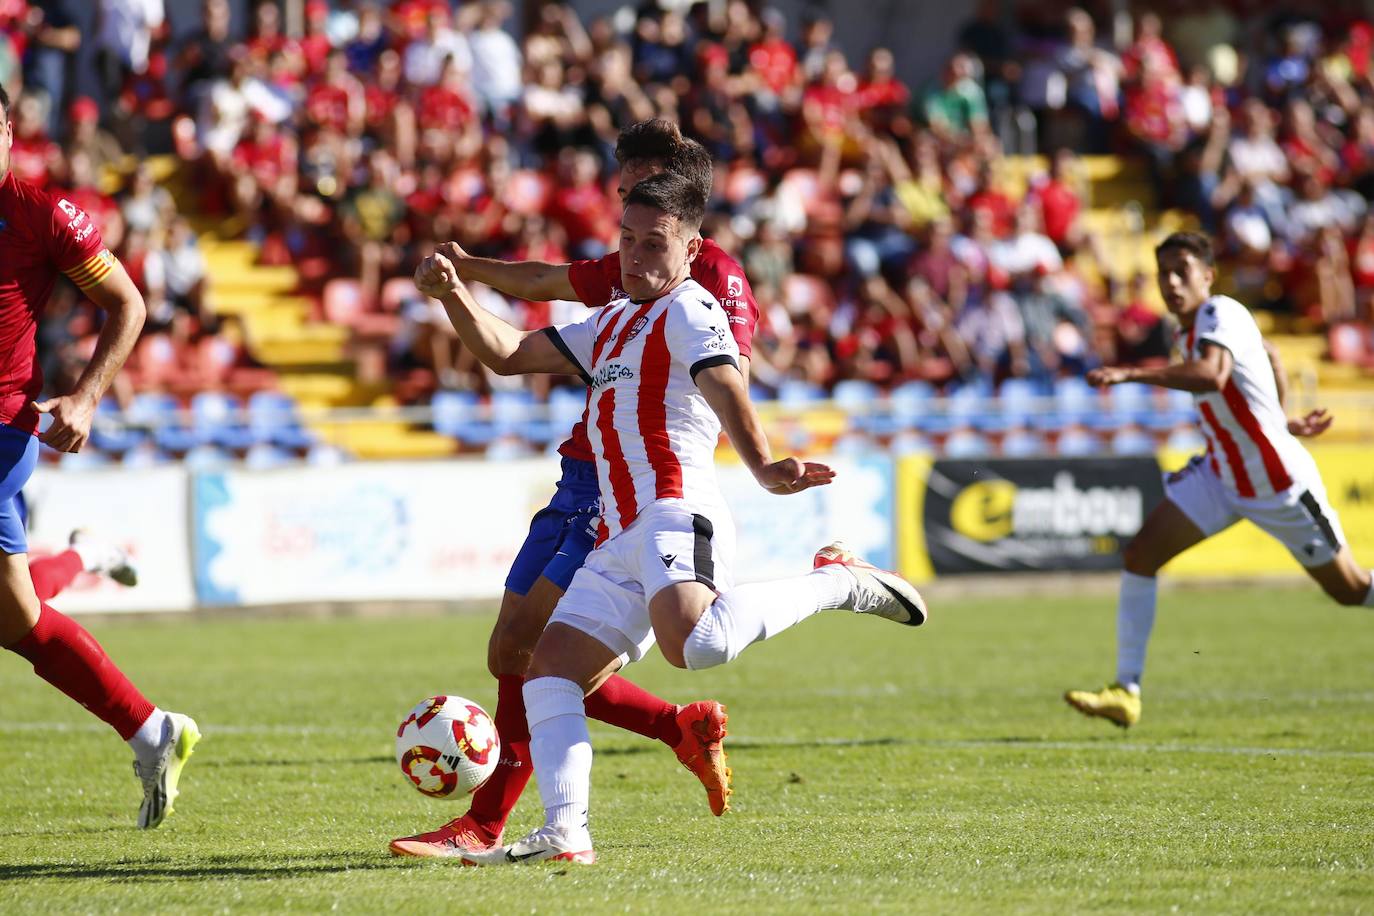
{"points": [[966, 443], [1020, 402], [324, 455], [109, 432], [86, 458], [862, 401], [144, 455], [911, 405], [1178, 409], [1024, 443], [1129, 403], [1077, 443], [910, 443], [1132, 440], [458, 414], [516, 413], [208, 457], [1075, 402], [1185, 438], [265, 456], [160, 412], [796, 393], [217, 417], [272, 417], [566, 406]]}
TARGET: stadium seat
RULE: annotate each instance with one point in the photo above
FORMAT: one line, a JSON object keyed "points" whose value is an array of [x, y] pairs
{"points": [[272, 418], [1019, 401], [1131, 403], [459, 414], [517, 413], [1076, 442], [144, 455], [324, 455], [216, 417], [86, 458], [796, 394], [207, 457], [910, 443], [1024, 443], [566, 406], [509, 448], [1185, 438], [109, 432], [265, 456], [1132, 440], [1178, 409], [966, 443], [1075, 402], [971, 405], [912, 406], [862, 402]]}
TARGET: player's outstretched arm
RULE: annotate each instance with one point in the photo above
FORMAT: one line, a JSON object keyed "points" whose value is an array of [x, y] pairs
{"points": [[724, 389], [124, 314], [536, 281], [497, 344], [1210, 373]]}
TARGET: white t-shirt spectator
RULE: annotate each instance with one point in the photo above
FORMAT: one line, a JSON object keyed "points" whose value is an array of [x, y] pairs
{"points": [[1024, 253], [425, 59], [496, 67], [1259, 159]]}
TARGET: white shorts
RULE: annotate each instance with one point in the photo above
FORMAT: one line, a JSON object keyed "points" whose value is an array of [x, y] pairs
{"points": [[608, 598], [1300, 517]]}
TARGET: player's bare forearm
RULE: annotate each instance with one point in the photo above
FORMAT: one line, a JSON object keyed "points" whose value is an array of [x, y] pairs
{"points": [[125, 312], [1280, 376], [497, 344], [1210, 373], [724, 389], [536, 281]]}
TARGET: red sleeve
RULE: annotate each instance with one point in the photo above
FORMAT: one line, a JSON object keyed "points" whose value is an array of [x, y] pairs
{"points": [[724, 278], [75, 244], [596, 282]]}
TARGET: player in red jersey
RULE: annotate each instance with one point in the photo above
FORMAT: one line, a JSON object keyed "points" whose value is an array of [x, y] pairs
{"points": [[39, 237], [1254, 467], [562, 535]]}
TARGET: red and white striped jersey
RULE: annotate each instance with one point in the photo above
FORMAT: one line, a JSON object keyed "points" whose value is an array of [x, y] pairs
{"points": [[652, 432], [1248, 442]]}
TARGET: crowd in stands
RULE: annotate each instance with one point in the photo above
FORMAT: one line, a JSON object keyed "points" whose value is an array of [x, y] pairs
{"points": [[889, 242]]}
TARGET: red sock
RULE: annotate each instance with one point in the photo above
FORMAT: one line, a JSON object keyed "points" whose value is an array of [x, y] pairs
{"points": [[69, 658], [626, 705], [494, 801], [53, 574]]}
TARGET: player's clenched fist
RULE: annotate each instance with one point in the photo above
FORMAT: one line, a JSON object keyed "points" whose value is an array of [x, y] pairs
{"points": [[436, 276]]}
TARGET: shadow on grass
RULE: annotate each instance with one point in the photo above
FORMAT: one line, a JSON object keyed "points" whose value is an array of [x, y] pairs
{"points": [[216, 867]]}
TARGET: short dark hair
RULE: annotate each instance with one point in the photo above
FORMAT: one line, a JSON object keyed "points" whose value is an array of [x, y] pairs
{"points": [[660, 140], [5, 103], [1194, 243], [672, 194]]}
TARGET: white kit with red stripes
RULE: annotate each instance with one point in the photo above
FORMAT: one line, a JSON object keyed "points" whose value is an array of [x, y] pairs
{"points": [[1248, 443], [652, 431]]}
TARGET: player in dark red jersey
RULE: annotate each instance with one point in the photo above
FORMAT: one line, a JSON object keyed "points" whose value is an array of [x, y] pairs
{"points": [[563, 534], [41, 236]]}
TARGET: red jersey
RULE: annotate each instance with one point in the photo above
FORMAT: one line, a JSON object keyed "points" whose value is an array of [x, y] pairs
{"points": [[39, 236], [598, 282]]}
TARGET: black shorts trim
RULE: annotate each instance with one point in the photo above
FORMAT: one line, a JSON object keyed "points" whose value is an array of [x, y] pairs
{"points": [[702, 561], [1314, 509], [563, 348]]}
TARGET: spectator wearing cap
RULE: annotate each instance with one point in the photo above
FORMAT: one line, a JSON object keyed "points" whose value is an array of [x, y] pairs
{"points": [[86, 136]]}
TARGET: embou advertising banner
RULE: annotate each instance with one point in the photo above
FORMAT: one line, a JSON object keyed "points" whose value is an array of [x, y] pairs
{"points": [[1034, 514]]}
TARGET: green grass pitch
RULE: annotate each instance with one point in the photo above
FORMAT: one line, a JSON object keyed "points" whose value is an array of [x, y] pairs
{"points": [[878, 769]]}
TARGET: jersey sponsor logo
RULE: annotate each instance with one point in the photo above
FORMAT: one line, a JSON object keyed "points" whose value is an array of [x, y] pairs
{"points": [[667, 559], [734, 286], [85, 233], [67, 207], [609, 373], [635, 328], [720, 340]]}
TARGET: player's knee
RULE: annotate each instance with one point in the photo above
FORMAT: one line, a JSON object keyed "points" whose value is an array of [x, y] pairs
{"points": [[674, 654]]}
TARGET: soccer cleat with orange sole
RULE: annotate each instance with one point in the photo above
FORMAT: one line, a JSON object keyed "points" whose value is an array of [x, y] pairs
{"points": [[874, 591], [460, 835], [701, 750]]}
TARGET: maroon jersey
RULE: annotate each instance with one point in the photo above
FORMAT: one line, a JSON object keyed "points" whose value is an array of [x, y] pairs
{"points": [[40, 235], [598, 282]]}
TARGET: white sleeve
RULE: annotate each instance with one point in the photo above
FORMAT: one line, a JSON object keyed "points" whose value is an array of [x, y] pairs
{"points": [[1226, 323], [698, 333], [576, 341]]}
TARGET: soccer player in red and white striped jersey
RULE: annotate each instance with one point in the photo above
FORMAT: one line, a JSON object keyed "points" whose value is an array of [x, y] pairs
{"points": [[40, 237], [1254, 467], [663, 369]]}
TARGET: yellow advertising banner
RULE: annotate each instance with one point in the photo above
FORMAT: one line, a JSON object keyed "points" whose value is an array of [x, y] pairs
{"points": [[1243, 549]]}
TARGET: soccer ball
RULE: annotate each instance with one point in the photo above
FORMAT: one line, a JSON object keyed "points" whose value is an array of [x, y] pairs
{"points": [[447, 747]]}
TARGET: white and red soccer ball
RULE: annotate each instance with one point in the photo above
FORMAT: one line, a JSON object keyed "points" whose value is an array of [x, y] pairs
{"points": [[447, 747]]}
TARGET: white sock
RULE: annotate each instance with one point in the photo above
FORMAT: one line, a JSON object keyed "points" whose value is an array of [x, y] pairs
{"points": [[1369, 596], [147, 741], [752, 613], [561, 750], [1135, 617]]}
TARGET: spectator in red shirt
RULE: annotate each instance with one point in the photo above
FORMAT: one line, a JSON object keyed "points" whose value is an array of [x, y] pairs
{"points": [[1060, 204], [773, 60], [1307, 151], [446, 118], [336, 100], [315, 46], [582, 207], [883, 98], [1149, 50], [33, 156]]}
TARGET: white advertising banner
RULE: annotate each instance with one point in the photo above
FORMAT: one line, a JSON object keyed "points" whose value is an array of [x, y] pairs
{"points": [[777, 535], [376, 531], [144, 511]]}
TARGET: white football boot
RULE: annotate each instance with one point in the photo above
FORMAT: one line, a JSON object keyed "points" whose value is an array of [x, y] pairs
{"points": [[547, 844], [161, 775], [874, 591], [99, 556]]}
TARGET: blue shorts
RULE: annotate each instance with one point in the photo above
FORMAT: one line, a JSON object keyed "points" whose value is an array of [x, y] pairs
{"points": [[562, 533], [18, 458]]}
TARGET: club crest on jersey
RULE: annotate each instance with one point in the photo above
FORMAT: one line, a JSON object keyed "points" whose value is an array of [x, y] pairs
{"points": [[639, 325], [734, 286]]}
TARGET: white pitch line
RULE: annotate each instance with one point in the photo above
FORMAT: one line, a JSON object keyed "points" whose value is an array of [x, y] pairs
{"points": [[744, 742]]}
